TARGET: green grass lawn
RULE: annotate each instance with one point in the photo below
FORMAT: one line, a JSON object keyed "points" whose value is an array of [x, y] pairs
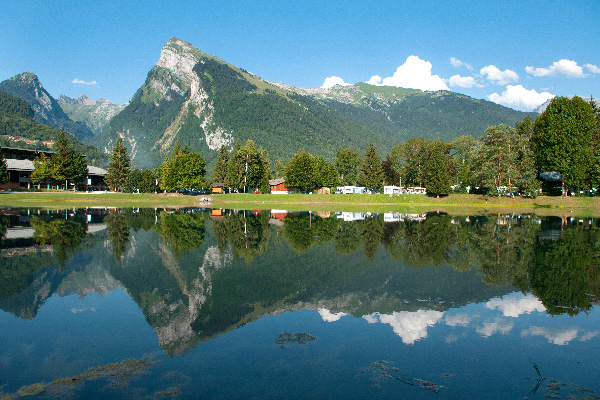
{"points": [[456, 203], [459, 203]]}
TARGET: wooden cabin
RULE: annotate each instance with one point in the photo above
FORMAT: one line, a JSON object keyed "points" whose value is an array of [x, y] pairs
{"points": [[278, 186]]}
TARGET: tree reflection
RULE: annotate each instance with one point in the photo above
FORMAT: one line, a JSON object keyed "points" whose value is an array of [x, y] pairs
{"points": [[248, 233], [64, 234], [371, 232], [305, 230], [566, 273], [346, 238], [118, 232], [182, 231]]}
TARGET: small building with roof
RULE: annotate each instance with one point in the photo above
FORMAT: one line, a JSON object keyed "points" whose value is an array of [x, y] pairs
{"points": [[19, 163], [278, 186]]}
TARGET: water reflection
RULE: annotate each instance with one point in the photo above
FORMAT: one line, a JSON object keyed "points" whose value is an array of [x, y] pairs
{"points": [[199, 273]]}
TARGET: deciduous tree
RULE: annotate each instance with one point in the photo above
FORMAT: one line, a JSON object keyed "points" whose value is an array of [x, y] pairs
{"points": [[3, 170], [347, 164], [42, 169], [562, 139], [299, 172]]}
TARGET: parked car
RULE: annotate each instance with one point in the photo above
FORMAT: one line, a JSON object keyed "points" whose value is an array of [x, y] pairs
{"points": [[205, 191]]}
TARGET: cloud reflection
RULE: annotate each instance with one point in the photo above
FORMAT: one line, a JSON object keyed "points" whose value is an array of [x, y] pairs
{"points": [[515, 304], [458, 319], [499, 325], [410, 326], [328, 316], [556, 336], [561, 337]]}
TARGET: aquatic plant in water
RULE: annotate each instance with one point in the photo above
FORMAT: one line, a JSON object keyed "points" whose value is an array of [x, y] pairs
{"points": [[287, 337]]}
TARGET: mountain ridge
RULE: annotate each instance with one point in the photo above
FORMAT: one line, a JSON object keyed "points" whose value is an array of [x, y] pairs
{"points": [[95, 114], [47, 111], [204, 103]]}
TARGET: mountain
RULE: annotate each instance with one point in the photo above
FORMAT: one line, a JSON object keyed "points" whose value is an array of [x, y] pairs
{"points": [[47, 111], [19, 129], [542, 107], [94, 114], [204, 102]]}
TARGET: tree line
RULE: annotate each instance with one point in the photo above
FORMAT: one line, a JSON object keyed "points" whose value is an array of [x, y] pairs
{"points": [[564, 139]]}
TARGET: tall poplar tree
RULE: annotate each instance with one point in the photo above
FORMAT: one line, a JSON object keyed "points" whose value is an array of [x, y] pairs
{"points": [[119, 167], [347, 164]]}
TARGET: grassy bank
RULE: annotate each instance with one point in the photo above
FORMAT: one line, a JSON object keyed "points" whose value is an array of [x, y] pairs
{"points": [[454, 204], [81, 199]]}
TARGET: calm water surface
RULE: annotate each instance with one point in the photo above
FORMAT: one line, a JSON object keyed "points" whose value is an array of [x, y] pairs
{"points": [[230, 304]]}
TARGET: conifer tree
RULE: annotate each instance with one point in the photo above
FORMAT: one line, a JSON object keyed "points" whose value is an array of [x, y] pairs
{"points": [[372, 173], [438, 170], [67, 163], [220, 172], [119, 167]]}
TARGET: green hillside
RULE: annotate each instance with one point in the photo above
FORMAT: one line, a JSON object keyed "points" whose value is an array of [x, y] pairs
{"points": [[46, 109], [18, 129], [215, 103]]}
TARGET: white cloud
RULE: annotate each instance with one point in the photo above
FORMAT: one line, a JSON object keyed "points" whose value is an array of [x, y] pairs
{"points": [[515, 304], [463, 81], [568, 68], [80, 82], [495, 75], [499, 325], [415, 74], [593, 68], [456, 63], [555, 336], [458, 319], [410, 326], [588, 335], [451, 338], [519, 98], [331, 81], [328, 316], [375, 80]]}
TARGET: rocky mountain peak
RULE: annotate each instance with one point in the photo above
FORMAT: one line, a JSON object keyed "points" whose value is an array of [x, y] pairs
{"points": [[179, 57], [27, 78], [83, 99]]}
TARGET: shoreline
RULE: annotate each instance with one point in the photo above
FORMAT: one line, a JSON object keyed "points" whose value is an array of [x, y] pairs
{"points": [[453, 204]]}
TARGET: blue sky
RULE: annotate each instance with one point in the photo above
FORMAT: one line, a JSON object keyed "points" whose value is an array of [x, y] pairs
{"points": [[516, 53]]}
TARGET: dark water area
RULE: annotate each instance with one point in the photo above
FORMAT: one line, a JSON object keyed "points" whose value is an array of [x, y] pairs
{"points": [[269, 304]]}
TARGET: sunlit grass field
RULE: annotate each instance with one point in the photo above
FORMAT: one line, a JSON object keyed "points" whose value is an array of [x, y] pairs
{"points": [[456, 204]]}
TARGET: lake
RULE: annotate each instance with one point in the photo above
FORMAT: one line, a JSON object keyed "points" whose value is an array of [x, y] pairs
{"points": [[269, 304]]}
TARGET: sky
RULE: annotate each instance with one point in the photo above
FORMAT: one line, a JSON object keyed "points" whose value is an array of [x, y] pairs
{"points": [[515, 53]]}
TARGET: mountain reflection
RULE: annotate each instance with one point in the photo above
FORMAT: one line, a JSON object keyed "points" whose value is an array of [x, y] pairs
{"points": [[196, 274]]}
